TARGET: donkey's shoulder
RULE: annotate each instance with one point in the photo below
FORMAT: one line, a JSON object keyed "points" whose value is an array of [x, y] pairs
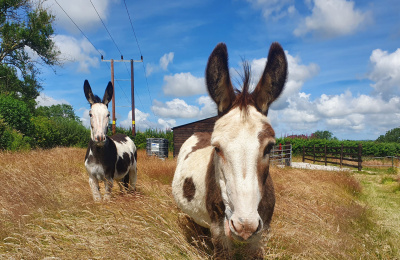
{"points": [[197, 141]]}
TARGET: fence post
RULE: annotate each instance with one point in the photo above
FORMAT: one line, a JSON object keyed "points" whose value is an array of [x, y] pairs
{"points": [[341, 156], [326, 163], [304, 150], [392, 161], [314, 155], [359, 157], [288, 152]]}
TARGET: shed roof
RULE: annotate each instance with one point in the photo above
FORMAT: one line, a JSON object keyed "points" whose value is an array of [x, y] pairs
{"points": [[214, 117]]}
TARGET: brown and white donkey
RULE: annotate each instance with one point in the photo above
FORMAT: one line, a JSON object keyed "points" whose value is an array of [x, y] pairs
{"points": [[107, 157], [222, 179]]}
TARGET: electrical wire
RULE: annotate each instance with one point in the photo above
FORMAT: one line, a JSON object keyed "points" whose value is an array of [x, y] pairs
{"points": [[78, 28], [137, 42], [106, 27]]}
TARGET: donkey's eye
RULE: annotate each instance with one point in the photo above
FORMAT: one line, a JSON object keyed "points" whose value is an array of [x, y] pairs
{"points": [[108, 115], [90, 114], [217, 149], [268, 149]]}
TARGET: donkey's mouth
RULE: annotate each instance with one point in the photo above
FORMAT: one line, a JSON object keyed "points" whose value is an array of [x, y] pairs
{"points": [[100, 144]]}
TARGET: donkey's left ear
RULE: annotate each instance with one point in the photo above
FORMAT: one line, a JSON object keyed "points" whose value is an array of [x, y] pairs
{"points": [[272, 80], [108, 94]]}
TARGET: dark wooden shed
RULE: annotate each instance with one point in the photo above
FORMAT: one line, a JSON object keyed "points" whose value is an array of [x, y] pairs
{"points": [[183, 132]]}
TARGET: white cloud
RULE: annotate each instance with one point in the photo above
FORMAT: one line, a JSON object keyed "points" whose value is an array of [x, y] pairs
{"points": [[166, 60], [275, 9], [166, 124], [183, 84], [80, 51], [85, 119], [142, 122], [338, 114], [298, 75], [209, 108], [45, 101], [81, 12], [163, 64], [331, 18], [385, 72], [178, 108]]}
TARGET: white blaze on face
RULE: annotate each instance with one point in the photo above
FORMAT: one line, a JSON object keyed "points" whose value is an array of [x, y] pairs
{"points": [[99, 117], [237, 153]]}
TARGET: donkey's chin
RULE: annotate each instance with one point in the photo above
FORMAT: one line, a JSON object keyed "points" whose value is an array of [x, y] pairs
{"points": [[100, 144]]}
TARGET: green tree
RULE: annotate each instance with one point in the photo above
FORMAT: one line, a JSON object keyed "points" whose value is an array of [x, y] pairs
{"points": [[391, 136], [25, 41], [326, 135], [58, 111]]}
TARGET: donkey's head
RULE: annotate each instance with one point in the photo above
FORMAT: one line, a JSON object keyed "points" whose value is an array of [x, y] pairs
{"points": [[242, 139], [99, 114]]}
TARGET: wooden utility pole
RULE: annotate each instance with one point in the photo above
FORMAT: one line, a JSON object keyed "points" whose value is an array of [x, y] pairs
{"points": [[132, 91]]}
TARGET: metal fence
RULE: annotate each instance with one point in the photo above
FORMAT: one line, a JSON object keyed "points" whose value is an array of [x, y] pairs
{"points": [[281, 154]]}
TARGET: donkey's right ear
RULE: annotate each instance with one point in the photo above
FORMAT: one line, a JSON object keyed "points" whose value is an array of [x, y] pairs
{"points": [[218, 79], [88, 92]]}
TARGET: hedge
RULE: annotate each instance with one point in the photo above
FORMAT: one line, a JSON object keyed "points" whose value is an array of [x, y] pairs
{"points": [[370, 148]]}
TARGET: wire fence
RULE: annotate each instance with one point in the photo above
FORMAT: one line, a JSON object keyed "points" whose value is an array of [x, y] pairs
{"points": [[385, 161]]}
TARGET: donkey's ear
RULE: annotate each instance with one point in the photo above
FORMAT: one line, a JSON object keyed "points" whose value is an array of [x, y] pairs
{"points": [[108, 94], [272, 80], [218, 80], [88, 92]]}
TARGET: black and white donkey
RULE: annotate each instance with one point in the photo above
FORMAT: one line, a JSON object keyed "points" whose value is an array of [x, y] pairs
{"points": [[107, 157]]}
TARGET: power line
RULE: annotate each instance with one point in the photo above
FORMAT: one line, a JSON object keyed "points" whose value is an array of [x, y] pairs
{"points": [[106, 27], [132, 28], [79, 28], [137, 42], [97, 50]]}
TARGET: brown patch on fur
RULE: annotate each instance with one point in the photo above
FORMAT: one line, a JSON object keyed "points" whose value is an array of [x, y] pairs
{"points": [[214, 204], [266, 132], [267, 203], [203, 141], [189, 189]]}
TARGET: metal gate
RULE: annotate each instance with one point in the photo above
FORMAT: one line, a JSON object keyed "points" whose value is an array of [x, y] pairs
{"points": [[281, 154]]}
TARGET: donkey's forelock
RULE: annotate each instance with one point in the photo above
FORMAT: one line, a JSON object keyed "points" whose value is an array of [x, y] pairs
{"points": [[244, 97]]}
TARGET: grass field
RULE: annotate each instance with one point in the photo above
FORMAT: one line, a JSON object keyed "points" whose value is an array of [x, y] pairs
{"points": [[46, 210]]}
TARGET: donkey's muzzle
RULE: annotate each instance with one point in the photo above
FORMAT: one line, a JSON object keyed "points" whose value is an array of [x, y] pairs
{"points": [[100, 139], [245, 228]]}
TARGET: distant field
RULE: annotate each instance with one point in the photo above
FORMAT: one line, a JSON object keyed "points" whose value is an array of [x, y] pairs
{"points": [[46, 210]]}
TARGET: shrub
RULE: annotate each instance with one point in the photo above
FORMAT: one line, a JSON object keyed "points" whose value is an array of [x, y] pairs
{"points": [[16, 114], [11, 139]]}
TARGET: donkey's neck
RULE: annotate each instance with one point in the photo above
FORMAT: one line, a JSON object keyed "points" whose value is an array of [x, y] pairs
{"points": [[99, 150]]}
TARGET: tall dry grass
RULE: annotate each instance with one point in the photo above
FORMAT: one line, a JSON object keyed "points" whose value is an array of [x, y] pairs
{"points": [[47, 211]]}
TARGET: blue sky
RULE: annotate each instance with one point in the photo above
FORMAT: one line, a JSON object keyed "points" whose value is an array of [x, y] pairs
{"points": [[344, 59]]}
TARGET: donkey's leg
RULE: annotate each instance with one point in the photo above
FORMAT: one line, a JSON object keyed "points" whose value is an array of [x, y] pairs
{"points": [[94, 185], [222, 245], [132, 178], [108, 183]]}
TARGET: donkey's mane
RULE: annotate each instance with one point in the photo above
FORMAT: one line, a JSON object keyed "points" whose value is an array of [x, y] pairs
{"points": [[243, 97]]}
